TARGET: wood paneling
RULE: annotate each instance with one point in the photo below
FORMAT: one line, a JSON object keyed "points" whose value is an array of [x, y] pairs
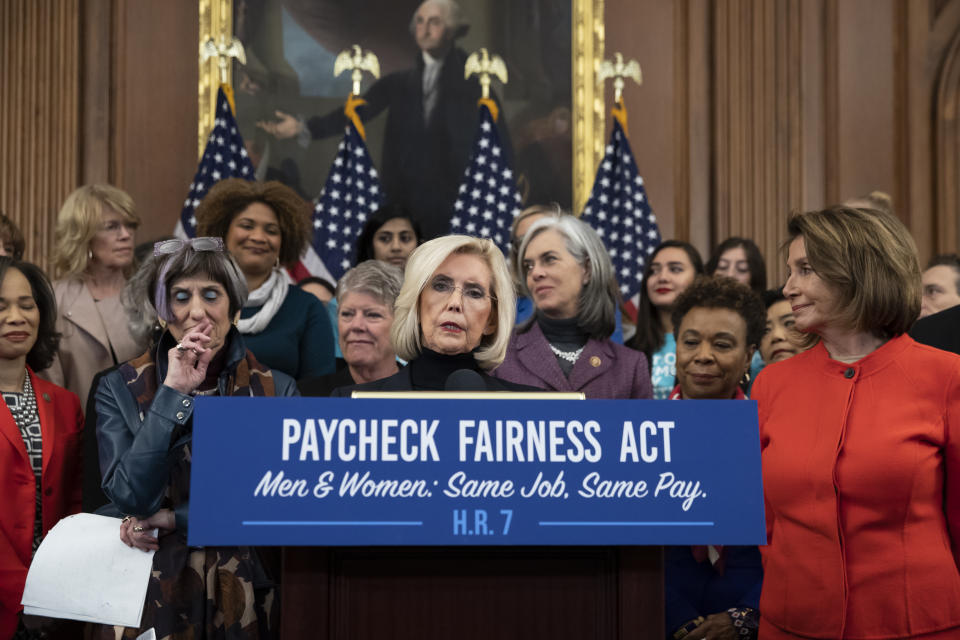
{"points": [[649, 106], [39, 116], [791, 105], [95, 91], [606, 593], [693, 88], [866, 84], [948, 150], [154, 149], [759, 166]]}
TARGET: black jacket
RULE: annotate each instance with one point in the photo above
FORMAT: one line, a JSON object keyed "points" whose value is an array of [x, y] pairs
{"points": [[322, 386], [429, 372], [941, 330], [423, 163], [134, 448]]}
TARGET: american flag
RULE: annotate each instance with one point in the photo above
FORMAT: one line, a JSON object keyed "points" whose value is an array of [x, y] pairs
{"points": [[224, 157], [488, 199], [619, 211], [352, 192]]}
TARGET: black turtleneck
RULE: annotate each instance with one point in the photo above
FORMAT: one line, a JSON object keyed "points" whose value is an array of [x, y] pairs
{"points": [[565, 335], [429, 371]]}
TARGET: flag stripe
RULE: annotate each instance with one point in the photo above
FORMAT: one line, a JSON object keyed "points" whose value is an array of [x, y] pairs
{"points": [[351, 193], [224, 157], [488, 200], [619, 211]]}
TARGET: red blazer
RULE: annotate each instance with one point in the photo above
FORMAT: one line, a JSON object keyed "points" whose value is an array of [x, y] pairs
{"points": [[61, 424], [861, 477]]}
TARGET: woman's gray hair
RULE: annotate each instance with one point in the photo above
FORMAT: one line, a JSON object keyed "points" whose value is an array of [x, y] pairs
{"points": [[599, 297], [137, 301], [146, 296], [513, 256], [380, 280], [422, 264]]}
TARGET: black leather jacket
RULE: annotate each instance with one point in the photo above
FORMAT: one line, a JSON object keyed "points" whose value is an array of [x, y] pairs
{"points": [[134, 448]]}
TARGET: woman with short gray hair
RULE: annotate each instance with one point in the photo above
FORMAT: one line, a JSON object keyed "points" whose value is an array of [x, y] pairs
{"points": [[565, 345], [144, 425], [365, 297]]}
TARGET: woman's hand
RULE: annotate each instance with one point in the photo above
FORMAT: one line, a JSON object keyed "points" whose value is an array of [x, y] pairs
{"points": [[718, 626], [187, 362], [138, 533]]}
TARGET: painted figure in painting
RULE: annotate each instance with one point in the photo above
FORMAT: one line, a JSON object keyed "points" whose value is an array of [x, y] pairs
{"points": [[430, 123]]}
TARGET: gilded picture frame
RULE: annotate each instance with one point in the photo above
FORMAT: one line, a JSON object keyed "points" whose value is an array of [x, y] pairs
{"points": [[216, 20]]}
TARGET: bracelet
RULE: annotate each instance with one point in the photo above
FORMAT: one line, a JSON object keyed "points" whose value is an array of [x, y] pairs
{"points": [[746, 621], [685, 630]]}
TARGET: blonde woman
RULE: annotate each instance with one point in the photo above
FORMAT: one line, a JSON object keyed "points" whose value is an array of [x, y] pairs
{"points": [[92, 261], [455, 311]]}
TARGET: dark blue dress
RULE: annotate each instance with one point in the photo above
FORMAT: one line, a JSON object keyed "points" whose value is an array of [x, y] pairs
{"points": [[299, 339], [693, 588]]}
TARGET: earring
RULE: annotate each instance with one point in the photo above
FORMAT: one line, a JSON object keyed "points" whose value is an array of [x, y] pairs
{"points": [[89, 254], [277, 265]]}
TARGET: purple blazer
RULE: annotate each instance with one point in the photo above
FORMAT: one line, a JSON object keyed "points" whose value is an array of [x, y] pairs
{"points": [[604, 369]]}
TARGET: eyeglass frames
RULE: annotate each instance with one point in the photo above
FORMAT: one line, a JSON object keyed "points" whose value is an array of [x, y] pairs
{"points": [[203, 243], [471, 293]]}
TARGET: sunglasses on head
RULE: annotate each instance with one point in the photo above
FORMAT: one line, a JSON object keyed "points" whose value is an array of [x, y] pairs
{"points": [[205, 243]]}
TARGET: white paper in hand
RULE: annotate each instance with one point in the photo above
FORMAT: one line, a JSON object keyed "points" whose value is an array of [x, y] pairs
{"points": [[82, 571]]}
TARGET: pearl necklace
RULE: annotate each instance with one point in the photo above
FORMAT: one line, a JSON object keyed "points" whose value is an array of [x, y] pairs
{"points": [[569, 356]]}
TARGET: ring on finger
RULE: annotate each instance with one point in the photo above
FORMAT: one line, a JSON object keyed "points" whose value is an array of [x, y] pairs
{"points": [[181, 348], [138, 529]]}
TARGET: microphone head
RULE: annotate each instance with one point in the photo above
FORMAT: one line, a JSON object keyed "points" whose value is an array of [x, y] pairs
{"points": [[465, 380]]}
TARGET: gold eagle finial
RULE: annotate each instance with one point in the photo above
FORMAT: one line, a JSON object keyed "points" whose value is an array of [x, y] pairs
{"points": [[485, 65], [618, 70], [354, 59], [223, 52]]}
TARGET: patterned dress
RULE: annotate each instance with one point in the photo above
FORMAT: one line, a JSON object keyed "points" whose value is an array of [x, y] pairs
{"points": [[209, 592], [23, 407]]}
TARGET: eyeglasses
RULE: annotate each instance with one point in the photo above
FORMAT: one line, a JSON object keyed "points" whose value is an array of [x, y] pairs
{"points": [[115, 226], [204, 243], [472, 294]]}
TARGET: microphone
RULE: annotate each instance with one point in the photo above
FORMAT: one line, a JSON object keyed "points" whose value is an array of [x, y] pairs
{"points": [[465, 380]]}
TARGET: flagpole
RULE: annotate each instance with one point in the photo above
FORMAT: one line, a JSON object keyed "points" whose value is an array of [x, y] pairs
{"points": [[487, 199], [356, 60], [617, 207], [352, 190], [482, 64], [222, 50], [619, 70]]}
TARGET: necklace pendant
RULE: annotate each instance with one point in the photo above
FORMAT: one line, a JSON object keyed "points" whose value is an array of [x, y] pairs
{"points": [[569, 356]]}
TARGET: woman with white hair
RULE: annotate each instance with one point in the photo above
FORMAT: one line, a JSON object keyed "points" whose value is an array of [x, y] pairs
{"points": [[565, 345], [454, 312]]}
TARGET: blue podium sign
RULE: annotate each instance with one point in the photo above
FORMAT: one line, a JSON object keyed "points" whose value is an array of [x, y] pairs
{"points": [[340, 471]]}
